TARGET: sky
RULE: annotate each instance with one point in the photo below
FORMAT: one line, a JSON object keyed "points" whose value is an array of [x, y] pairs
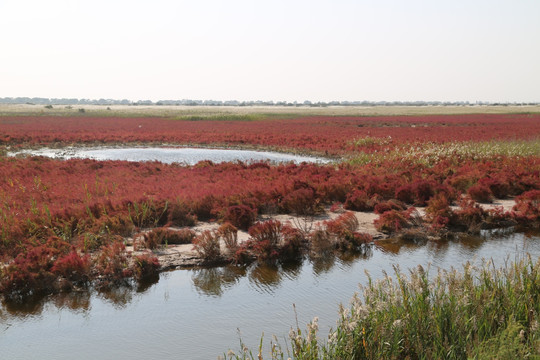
{"points": [[295, 50]]}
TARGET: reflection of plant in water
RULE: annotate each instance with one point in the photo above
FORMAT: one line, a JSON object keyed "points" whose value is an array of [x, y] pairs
{"points": [[214, 281], [208, 281], [32, 306], [292, 269], [348, 258], [265, 276], [231, 274], [76, 301], [118, 296], [147, 282], [468, 242], [323, 264]]}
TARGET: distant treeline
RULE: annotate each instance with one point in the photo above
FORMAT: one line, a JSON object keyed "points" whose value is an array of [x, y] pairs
{"points": [[73, 101]]}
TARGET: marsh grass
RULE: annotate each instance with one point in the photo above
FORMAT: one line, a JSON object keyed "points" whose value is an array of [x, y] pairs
{"points": [[431, 153], [474, 313], [477, 149]]}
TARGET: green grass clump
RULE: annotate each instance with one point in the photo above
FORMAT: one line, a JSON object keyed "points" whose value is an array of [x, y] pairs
{"points": [[476, 313]]}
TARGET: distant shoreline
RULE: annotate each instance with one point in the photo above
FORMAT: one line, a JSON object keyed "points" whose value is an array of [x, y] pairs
{"points": [[175, 111]]}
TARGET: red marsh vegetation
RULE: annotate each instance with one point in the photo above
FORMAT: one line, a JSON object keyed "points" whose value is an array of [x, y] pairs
{"points": [[64, 223], [333, 135]]}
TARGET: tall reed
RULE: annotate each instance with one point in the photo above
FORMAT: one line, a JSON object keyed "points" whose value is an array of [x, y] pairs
{"points": [[477, 313]]}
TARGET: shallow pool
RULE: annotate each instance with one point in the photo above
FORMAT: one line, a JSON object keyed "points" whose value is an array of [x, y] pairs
{"points": [[184, 155]]}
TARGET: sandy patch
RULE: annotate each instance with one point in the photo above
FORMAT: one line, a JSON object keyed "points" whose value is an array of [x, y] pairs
{"points": [[506, 204], [177, 256]]}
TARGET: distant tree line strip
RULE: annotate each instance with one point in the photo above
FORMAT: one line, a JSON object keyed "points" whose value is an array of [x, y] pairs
{"points": [[189, 102]]}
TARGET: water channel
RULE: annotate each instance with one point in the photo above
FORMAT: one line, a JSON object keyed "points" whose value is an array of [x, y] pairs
{"points": [[196, 314]]}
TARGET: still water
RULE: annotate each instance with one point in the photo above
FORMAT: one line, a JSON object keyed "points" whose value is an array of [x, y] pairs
{"points": [[189, 156], [196, 314]]}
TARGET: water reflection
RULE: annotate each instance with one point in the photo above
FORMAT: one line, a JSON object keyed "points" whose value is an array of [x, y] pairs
{"points": [[31, 307], [267, 278], [263, 277], [436, 248], [292, 269], [214, 281], [119, 297], [145, 284], [348, 258], [323, 264], [471, 243], [75, 301]]}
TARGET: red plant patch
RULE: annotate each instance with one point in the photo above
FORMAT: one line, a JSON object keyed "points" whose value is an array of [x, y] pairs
{"points": [[389, 205], [229, 234], [333, 135], [480, 193], [527, 208], [241, 216], [73, 266], [145, 266], [358, 200], [266, 239], [207, 245], [344, 225], [394, 221], [91, 206]]}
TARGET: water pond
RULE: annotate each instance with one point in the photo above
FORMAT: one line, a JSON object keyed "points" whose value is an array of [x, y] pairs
{"points": [[183, 155], [196, 314]]}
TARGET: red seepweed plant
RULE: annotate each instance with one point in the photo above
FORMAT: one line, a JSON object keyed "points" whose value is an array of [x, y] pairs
{"points": [[527, 208], [207, 245], [342, 232], [111, 200], [331, 135]]}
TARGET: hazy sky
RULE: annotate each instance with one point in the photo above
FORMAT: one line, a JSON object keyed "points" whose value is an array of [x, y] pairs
{"points": [[271, 50]]}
